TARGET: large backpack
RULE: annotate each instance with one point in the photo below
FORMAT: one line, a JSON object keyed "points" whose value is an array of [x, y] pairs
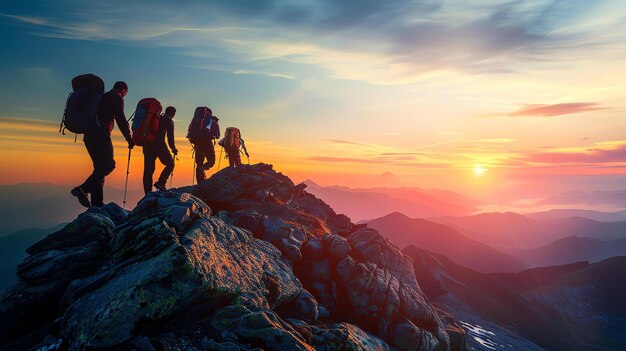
{"points": [[232, 138], [146, 121], [199, 122], [81, 107]]}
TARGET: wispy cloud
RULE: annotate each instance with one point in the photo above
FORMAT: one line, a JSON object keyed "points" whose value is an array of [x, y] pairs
{"points": [[388, 42], [347, 142], [493, 140], [556, 109], [595, 155], [345, 159]]}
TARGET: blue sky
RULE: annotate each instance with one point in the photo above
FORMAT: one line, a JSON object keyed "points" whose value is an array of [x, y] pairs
{"points": [[348, 90]]}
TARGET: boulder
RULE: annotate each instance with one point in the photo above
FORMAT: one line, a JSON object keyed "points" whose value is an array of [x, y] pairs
{"points": [[272, 194], [171, 257]]}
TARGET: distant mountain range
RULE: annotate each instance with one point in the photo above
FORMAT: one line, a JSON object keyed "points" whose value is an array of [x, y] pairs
{"points": [[563, 308], [471, 247], [569, 250], [614, 198], [44, 205], [513, 230], [12, 251], [404, 231], [566, 213], [366, 204]]}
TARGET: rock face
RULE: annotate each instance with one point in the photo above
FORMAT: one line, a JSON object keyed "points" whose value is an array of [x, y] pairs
{"points": [[275, 269]]}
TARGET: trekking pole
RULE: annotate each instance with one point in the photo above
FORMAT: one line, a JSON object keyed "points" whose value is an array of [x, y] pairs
{"points": [[193, 175], [220, 160], [127, 173], [172, 175]]}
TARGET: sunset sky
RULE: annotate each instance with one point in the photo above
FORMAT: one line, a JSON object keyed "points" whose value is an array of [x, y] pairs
{"points": [[498, 98]]}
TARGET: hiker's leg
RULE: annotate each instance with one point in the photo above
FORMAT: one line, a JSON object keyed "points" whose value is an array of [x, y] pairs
{"points": [[149, 156], [106, 167], [100, 150], [97, 195], [210, 156], [231, 159], [237, 158], [200, 152], [166, 159]]}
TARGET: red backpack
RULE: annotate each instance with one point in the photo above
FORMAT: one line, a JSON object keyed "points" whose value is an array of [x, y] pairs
{"points": [[146, 121], [232, 138]]}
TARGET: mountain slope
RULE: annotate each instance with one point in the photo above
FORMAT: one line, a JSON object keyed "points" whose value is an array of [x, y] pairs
{"points": [[569, 250], [404, 231], [51, 203], [567, 213], [573, 307], [13, 251], [512, 230]]}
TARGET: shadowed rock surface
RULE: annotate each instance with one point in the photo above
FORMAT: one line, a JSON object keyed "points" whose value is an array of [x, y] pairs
{"points": [[273, 268]]}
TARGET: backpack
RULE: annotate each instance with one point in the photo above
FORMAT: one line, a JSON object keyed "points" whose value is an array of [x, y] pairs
{"points": [[232, 139], [146, 121], [199, 123], [81, 107]]}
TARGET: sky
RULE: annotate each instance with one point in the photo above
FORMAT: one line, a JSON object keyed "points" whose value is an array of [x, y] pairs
{"points": [[506, 99]]}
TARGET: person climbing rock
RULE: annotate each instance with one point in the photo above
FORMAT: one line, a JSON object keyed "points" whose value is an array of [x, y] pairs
{"points": [[99, 146], [203, 130], [233, 145], [158, 149]]}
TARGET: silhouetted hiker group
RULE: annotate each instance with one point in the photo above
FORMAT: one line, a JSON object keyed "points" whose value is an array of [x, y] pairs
{"points": [[92, 112]]}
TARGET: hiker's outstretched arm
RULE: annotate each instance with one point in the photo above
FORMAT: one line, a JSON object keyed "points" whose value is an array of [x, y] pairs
{"points": [[170, 135], [120, 118], [243, 145]]}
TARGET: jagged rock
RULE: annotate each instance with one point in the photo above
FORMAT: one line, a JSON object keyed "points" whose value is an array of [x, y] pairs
{"points": [[304, 307], [385, 297], [341, 336], [274, 268], [313, 249], [269, 205], [259, 327], [458, 337], [269, 193], [338, 246], [170, 257], [375, 286]]}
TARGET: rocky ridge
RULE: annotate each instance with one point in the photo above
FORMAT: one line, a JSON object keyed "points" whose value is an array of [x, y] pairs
{"points": [[249, 261]]}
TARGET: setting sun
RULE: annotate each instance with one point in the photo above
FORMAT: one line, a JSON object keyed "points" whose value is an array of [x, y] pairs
{"points": [[479, 171]]}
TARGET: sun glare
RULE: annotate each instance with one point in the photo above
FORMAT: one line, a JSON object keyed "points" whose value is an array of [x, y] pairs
{"points": [[479, 171]]}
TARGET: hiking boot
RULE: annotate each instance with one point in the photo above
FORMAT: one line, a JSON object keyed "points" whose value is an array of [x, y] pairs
{"points": [[206, 166], [82, 196], [160, 186]]}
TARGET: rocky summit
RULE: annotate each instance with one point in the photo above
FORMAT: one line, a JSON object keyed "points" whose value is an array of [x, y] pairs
{"points": [[246, 260]]}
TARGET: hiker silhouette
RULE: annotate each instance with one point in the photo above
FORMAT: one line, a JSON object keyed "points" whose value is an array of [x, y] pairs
{"points": [[203, 130], [158, 149], [233, 143], [99, 146]]}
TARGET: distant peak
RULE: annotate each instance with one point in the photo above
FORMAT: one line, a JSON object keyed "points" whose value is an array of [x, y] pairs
{"points": [[396, 215], [310, 183]]}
